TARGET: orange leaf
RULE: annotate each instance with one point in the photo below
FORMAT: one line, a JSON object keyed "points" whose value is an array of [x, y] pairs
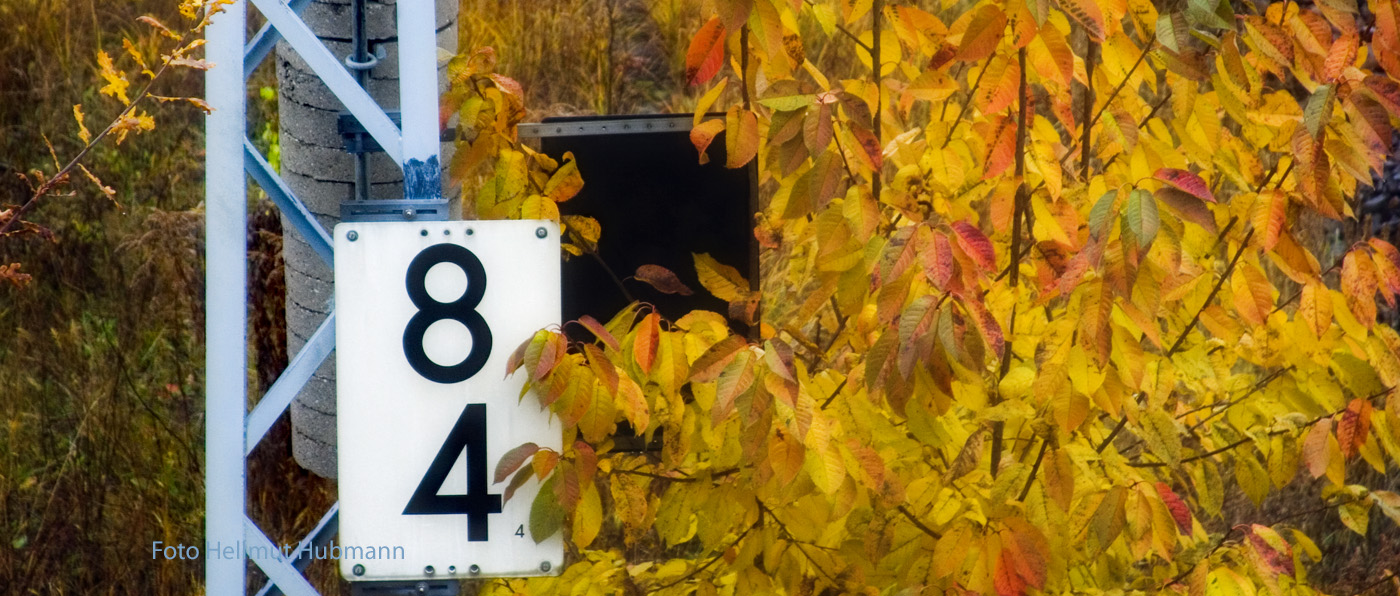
{"points": [[1341, 55], [1187, 182], [1253, 295], [706, 54], [645, 344], [1269, 214], [1354, 426], [1001, 151], [1315, 308], [1007, 581], [1087, 14], [982, 34], [1027, 551], [1387, 260], [1315, 447], [703, 134], [1359, 285], [999, 85]]}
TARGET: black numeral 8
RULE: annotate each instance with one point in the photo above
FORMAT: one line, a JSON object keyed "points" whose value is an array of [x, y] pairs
{"points": [[462, 310]]}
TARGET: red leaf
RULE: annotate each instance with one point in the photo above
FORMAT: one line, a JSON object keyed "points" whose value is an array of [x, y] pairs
{"points": [[513, 459], [708, 366], [706, 54], [976, 245], [662, 279], [599, 330], [1186, 182], [1274, 551], [871, 145], [1180, 512]]}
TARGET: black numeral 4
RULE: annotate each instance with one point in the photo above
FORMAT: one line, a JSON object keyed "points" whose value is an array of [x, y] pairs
{"points": [[469, 434]]}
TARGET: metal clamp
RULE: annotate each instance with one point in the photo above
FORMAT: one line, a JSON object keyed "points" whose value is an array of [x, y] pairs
{"points": [[369, 63]]}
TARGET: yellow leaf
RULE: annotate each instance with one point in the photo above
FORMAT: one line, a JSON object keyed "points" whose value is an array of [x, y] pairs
{"points": [[538, 207], [723, 281], [588, 517], [824, 464], [83, 134], [1253, 295], [565, 182], [1160, 434], [740, 137], [116, 82], [702, 107], [1315, 308]]}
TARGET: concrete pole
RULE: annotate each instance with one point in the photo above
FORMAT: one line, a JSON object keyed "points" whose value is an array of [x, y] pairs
{"points": [[322, 174]]}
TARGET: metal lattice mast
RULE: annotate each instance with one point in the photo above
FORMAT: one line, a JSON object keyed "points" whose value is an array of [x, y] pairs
{"points": [[231, 431]]}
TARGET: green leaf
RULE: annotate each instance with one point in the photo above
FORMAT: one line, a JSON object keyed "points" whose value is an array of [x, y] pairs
{"points": [[1102, 214], [1319, 109], [1172, 31], [1159, 433], [1142, 217], [788, 103], [546, 516]]}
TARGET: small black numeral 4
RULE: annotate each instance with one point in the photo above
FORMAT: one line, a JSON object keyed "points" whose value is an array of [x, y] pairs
{"points": [[520, 531]]}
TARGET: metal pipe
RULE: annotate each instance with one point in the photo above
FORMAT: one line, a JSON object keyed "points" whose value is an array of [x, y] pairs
{"points": [[418, 99], [360, 54], [226, 253]]}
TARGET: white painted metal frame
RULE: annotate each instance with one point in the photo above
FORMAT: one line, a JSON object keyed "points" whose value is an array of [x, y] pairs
{"points": [[232, 432]]}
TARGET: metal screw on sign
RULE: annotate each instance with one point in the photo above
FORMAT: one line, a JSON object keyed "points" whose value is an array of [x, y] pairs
{"points": [[359, 569], [352, 235], [422, 587], [429, 570], [541, 232], [544, 566], [452, 569], [474, 569], [409, 213]]}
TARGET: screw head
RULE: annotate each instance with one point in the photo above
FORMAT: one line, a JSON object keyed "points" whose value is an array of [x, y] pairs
{"points": [[429, 570], [474, 569], [409, 213], [358, 569], [422, 232], [470, 231], [544, 566], [452, 569], [541, 232], [352, 235]]}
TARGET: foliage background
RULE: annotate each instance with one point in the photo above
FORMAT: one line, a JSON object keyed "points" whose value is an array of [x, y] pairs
{"points": [[100, 429]]}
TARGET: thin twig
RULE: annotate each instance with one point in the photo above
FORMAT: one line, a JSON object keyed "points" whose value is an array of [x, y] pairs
{"points": [[918, 524], [1026, 490]]}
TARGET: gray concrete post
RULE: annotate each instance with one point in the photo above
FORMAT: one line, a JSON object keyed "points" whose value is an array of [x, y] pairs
{"points": [[322, 175]]}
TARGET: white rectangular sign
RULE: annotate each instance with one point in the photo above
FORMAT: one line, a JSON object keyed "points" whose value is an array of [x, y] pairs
{"points": [[428, 313]]}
